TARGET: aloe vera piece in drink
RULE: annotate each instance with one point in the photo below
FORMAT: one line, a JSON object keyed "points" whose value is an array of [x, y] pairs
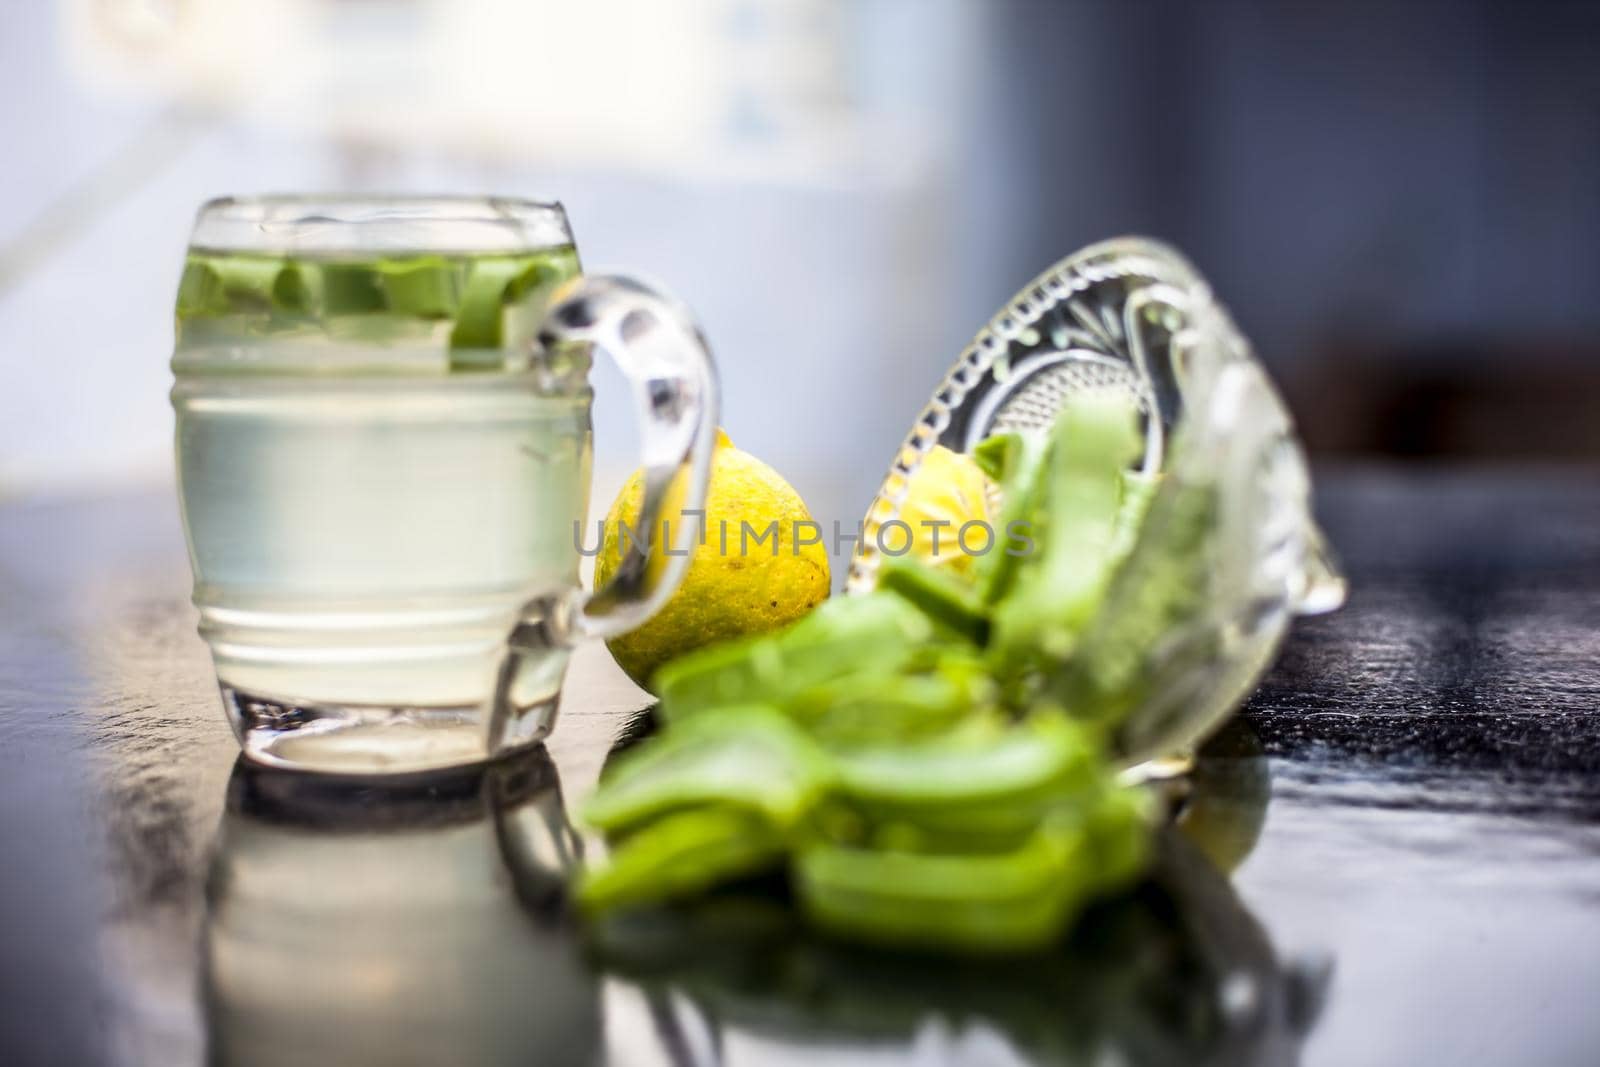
{"points": [[748, 757], [496, 286], [491, 303], [492, 283], [422, 287], [682, 854], [250, 281], [298, 290], [200, 291], [479, 317], [222, 285], [352, 289]]}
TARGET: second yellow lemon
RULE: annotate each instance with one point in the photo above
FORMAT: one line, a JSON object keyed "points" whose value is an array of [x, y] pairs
{"points": [[947, 492]]}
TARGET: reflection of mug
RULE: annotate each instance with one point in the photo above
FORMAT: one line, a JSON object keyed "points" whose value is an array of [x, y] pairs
{"points": [[355, 925], [383, 446]]}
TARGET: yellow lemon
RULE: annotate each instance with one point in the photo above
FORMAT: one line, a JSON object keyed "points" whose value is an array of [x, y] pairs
{"points": [[947, 491], [753, 571]]}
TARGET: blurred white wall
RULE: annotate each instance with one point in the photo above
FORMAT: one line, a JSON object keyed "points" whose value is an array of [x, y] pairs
{"points": [[791, 169]]}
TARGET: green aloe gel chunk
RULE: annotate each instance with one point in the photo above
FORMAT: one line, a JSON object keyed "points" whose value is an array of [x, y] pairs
{"points": [[989, 765], [976, 789], [483, 300], [474, 307], [493, 285], [1119, 829], [1016, 899], [749, 757], [876, 633], [1059, 588], [861, 709], [200, 290], [1162, 587], [1018, 463], [954, 603], [424, 287], [682, 855], [352, 289], [999, 902], [217, 285]]}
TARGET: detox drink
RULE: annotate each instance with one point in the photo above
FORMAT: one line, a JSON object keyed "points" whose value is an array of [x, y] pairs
{"points": [[374, 480], [383, 447]]}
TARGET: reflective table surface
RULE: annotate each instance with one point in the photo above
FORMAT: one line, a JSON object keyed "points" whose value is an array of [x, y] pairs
{"points": [[1409, 809]]}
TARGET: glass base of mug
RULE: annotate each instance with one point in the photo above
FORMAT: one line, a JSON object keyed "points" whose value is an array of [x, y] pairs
{"points": [[364, 739]]}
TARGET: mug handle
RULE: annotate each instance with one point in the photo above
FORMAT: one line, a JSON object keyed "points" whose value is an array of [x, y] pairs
{"points": [[656, 344]]}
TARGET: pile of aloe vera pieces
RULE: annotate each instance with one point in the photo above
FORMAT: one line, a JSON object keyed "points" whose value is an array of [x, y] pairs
{"points": [[930, 764]]}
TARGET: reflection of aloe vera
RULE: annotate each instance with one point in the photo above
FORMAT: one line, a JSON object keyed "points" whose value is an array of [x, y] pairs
{"points": [[490, 302], [1143, 983]]}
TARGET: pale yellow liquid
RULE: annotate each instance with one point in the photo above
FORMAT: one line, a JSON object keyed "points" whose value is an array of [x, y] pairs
{"points": [[369, 507]]}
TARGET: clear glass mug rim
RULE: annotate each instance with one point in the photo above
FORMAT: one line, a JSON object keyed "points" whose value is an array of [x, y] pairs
{"points": [[283, 224]]}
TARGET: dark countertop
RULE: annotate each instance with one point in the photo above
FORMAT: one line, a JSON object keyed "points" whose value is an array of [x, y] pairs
{"points": [[1423, 770]]}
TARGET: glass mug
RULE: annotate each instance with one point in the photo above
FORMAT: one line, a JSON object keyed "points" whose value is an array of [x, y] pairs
{"points": [[383, 447]]}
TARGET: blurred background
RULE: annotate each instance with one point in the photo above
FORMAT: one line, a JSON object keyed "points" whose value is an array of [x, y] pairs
{"points": [[1399, 201]]}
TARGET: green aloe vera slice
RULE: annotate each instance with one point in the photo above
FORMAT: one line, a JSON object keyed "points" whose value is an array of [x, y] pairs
{"points": [[1058, 590], [940, 595], [423, 287], [200, 291], [352, 289], [223, 285], [480, 317], [682, 855], [297, 290], [1045, 756], [993, 902], [1160, 589], [1018, 463], [746, 757], [874, 708], [877, 633]]}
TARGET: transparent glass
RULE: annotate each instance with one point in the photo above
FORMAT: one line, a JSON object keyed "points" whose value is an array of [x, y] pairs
{"points": [[1229, 525], [384, 449]]}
